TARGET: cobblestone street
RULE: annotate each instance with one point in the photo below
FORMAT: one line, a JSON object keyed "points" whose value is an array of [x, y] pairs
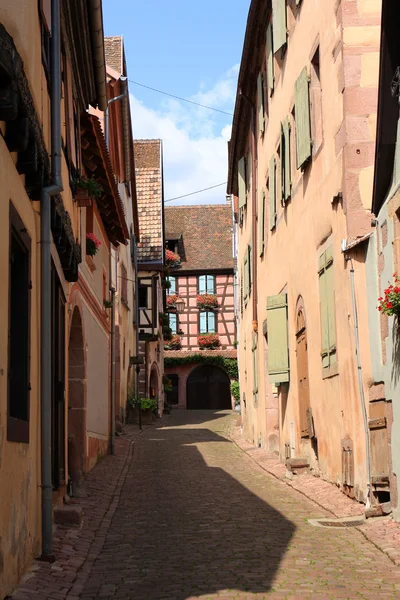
{"points": [[196, 517]]}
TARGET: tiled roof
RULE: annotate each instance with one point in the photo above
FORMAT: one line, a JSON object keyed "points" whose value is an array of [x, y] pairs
{"points": [[184, 353], [149, 196], [206, 235], [113, 47]]}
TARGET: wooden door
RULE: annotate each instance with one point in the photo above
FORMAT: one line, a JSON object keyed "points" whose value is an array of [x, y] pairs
{"points": [[302, 372]]}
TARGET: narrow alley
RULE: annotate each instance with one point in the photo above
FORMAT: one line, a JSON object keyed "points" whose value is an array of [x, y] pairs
{"points": [[189, 515]]}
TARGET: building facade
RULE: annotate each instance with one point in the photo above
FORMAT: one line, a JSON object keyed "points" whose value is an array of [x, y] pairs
{"points": [[201, 280], [301, 162], [150, 264]]}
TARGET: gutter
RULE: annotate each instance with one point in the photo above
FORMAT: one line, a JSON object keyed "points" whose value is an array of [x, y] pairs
{"points": [[54, 188], [97, 38]]}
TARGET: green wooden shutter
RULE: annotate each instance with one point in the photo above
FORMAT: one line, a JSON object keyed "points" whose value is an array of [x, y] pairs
{"points": [[250, 265], [283, 165], [241, 294], [249, 166], [242, 182], [270, 59], [330, 295], [246, 277], [288, 175], [260, 103], [277, 330], [255, 368], [279, 23], [261, 222], [303, 127], [272, 193]]}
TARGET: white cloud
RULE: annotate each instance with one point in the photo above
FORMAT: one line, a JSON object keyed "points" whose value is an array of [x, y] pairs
{"points": [[194, 139]]}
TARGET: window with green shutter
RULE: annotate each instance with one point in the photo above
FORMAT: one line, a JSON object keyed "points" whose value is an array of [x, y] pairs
{"points": [[286, 161], [242, 182], [249, 266], [246, 283], [248, 168], [302, 111], [270, 59], [261, 223], [260, 103], [327, 309], [255, 369], [279, 24], [277, 333], [272, 193]]}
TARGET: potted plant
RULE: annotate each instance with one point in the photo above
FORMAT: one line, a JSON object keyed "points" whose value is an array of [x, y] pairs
{"points": [[167, 384], [148, 408], [207, 301], [174, 343], [172, 259], [86, 189], [208, 341], [92, 244], [389, 304]]}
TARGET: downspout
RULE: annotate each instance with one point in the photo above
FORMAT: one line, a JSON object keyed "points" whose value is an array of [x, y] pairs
{"points": [[112, 378], [360, 383], [55, 187], [135, 265]]}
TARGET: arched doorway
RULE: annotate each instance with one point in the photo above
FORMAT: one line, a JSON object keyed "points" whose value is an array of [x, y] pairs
{"points": [[76, 403], [208, 388], [302, 369]]}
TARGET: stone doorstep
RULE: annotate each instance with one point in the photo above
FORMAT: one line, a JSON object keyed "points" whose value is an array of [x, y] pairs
{"points": [[297, 466], [68, 514]]}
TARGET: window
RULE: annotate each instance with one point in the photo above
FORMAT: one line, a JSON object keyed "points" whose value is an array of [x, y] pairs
{"points": [[260, 103], [206, 284], [316, 104], [104, 286], [255, 369], [247, 275], [279, 24], [261, 222], [270, 60], [207, 322], [248, 167], [242, 183], [71, 120], [143, 296], [272, 193], [124, 285], [173, 322], [45, 24], [286, 181], [172, 281], [172, 245], [19, 331], [302, 112], [327, 309], [277, 332]]}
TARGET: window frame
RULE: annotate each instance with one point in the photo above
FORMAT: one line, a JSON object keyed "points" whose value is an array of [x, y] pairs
{"points": [[207, 276], [208, 312], [172, 290], [124, 285], [18, 429], [174, 316], [326, 263]]}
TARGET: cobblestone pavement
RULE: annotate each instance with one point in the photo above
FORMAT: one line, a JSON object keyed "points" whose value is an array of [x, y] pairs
{"points": [[197, 518]]}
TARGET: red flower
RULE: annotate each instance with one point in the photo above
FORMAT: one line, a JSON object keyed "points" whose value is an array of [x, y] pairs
{"points": [[389, 305], [94, 239]]}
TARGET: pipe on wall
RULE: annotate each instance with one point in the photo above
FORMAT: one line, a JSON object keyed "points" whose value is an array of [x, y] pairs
{"points": [[112, 378], [47, 193]]}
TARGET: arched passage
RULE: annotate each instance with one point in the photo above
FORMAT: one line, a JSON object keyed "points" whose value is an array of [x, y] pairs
{"points": [[76, 402], [208, 387]]}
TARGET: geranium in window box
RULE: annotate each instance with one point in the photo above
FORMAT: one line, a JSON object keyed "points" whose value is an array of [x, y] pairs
{"points": [[92, 244], [208, 341], [207, 302], [172, 300], [172, 259], [389, 304], [174, 343]]}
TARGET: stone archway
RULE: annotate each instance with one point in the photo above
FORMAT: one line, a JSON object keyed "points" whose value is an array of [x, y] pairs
{"points": [[76, 404], [208, 388]]}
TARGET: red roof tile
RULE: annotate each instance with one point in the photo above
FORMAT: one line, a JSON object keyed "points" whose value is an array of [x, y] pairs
{"points": [[113, 47]]}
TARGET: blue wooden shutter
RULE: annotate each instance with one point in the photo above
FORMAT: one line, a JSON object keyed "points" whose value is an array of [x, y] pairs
{"points": [[210, 284], [202, 284], [203, 322], [172, 289], [277, 327], [272, 193], [303, 124], [173, 322], [279, 23], [210, 322], [270, 60]]}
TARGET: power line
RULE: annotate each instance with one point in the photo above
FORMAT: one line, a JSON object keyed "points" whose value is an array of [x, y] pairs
{"points": [[179, 98], [198, 192]]}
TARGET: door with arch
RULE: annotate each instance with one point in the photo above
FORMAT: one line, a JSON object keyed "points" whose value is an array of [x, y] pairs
{"points": [[302, 369], [208, 388]]}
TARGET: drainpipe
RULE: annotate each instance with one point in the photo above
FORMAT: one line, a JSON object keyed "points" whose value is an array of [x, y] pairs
{"points": [[112, 378], [360, 383], [47, 193], [135, 264]]}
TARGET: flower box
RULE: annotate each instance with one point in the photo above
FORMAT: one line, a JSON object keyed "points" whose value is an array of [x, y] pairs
{"points": [[173, 344], [172, 259], [208, 341], [83, 198], [172, 300], [92, 244], [207, 302]]}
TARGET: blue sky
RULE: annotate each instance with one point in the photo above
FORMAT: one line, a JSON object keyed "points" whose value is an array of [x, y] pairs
{"points": [[192, 50]]}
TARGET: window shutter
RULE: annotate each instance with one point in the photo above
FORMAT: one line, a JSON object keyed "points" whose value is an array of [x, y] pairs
{"points": [[203, 322], [278, 352], [202, 284], [272, 193], [255, 369], [211, 322], [330, 294], [173, 322], [246, 277], [270, 59], [241, 294], [279, 23], [324, 311], [210, 284], [261, 223], [303, 127], [288, 175], [242, 182], [248, 171], [260, 104], [249, 265]]}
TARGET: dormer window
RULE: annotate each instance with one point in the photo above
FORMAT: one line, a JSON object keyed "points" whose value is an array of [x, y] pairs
{"points": [[172, 245]]}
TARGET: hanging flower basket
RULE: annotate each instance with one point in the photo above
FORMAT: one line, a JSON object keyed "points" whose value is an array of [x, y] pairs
{"points": [[172, 259], [173, 344], [390, 303], [92, 244], [208, 341], [172, 300], [207, 302]]}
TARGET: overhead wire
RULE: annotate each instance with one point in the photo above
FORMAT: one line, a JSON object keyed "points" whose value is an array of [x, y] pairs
{"points": [[197, 192]]}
